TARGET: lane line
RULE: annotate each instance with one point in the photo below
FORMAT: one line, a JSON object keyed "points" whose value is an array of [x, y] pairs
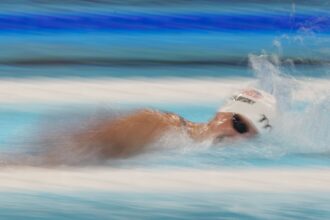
{"points": [[259, 180], [143, 90]]}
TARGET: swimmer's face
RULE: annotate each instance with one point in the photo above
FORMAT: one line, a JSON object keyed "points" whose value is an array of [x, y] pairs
{"points": [[230, 125]]}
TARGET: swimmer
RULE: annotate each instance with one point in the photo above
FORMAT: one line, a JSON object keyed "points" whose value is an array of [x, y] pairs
{"points": [[244, 115]]}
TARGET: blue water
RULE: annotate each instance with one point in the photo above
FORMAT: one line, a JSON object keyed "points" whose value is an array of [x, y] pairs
{"points": [[157, 39], [100, 205]]}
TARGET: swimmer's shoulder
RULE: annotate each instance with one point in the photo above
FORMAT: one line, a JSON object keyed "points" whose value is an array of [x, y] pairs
{"points": [[175, 118], [165, 116]]}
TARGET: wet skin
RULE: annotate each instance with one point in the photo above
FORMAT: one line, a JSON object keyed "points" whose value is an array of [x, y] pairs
{"points": [[131, 134]]}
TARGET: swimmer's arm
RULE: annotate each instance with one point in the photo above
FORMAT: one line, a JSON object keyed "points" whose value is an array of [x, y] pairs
{"points": [[128, 135]]}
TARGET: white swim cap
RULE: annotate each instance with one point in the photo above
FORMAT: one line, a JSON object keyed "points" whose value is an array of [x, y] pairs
{"points": [[257, 106]]}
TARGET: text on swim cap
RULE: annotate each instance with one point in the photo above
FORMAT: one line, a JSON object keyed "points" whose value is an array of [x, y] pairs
{"points": [[243, 99], [265, 119]]}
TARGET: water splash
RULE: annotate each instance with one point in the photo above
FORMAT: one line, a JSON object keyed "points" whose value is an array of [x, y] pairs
{"points": [[302, 131], [307, 131], [272, 79]]}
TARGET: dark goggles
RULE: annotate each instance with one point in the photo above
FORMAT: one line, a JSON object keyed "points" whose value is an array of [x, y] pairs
{"points": [[239, 124]]}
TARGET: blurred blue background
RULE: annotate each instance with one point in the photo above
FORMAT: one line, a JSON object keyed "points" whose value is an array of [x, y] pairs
{"points": [[160, 38]]}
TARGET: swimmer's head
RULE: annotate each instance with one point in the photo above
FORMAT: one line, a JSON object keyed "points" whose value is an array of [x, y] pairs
{"points": [[230, 125], [258, 108]]}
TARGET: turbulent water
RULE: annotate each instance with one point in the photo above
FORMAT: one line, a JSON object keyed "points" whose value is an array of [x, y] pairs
{"points": [[68, 63]]}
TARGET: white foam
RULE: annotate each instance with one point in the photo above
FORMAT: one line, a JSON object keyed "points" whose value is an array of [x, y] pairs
{"points": [[13, 91], [258, 180]]}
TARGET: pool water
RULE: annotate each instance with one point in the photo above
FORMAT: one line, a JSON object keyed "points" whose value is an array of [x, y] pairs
{"points": [[67, 61]]}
